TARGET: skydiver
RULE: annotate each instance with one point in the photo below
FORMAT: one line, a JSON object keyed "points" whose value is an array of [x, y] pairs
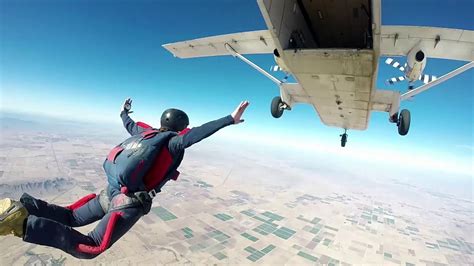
{"points": [[136, 170]]}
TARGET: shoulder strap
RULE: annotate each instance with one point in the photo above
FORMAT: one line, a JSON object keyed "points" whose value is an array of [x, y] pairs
{"points": [[184, 131], [143, 125], [149, 133]]}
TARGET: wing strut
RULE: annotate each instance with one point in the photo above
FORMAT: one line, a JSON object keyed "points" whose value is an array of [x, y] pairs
{"points": [[259, 69], [425, 87]]}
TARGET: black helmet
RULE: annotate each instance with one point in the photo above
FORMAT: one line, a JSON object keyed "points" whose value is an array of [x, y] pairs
{"points": [[174, 120]]}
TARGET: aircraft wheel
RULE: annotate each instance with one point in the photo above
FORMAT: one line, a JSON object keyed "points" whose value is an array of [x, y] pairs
{"points": [[343, 140], [404, 122], [277, 107]]}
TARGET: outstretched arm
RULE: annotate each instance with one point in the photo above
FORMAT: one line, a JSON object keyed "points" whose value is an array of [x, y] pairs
{"points": [[197, 134], [128, 123]]}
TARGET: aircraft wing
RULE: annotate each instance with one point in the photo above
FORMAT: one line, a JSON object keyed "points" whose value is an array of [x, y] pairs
{"points": [[250, 42], [455, 44]]}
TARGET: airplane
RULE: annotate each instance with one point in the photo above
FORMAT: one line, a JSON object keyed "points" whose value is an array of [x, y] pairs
{"points": [[332, 50]]}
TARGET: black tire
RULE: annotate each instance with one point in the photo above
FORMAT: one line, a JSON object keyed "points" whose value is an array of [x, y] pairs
{"points": [[404, 122], [276, 109], [343, 140]]}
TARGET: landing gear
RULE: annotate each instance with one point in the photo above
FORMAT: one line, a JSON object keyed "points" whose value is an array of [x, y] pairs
{"points": [[403, 122], [393, 118], [277, 107], [344, 138]]}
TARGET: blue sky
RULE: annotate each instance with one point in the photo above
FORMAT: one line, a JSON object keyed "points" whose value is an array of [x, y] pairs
{"points": [[80, 59]]}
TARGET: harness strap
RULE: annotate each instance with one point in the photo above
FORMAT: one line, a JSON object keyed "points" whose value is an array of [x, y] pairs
{"points": [[114, 153], [104, 201], [143, 125], [149, 133], [184, 131], [123, 201]]}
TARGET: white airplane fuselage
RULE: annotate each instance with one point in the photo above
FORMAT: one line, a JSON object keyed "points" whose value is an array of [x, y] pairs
{"points": [[332, 50]]}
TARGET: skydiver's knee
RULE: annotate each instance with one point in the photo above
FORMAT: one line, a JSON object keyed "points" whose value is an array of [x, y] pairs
{"points": [[28, 201], [74, 220]]}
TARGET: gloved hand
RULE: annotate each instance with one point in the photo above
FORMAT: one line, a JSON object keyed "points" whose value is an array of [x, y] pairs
{"points": [[127, 105]]}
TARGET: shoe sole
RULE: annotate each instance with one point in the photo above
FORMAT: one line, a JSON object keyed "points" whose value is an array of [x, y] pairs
{"points": [[12, 217], [14, 207]]}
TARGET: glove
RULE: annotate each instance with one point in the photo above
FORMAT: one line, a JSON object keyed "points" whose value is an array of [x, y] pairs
{"points": [[127, 105]]}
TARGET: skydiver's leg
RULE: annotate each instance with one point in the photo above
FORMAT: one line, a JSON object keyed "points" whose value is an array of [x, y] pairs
{"points": [[113, 226], [83, 213]]}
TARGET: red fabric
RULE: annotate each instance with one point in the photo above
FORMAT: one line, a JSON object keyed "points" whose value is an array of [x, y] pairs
{"points": [[160, 166], [143, 125], [149, 133], [184, 131], [157, 172], [124, 190], [105, 239], [113, 153], [81, 202], [137, 170]]}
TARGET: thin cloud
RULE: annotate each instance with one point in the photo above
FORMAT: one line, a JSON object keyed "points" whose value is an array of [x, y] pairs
{"points": [[415, 159], [466, 147]]}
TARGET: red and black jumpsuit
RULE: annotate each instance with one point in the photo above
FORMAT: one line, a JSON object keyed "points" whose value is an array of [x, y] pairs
{"points": [[52, 225]]}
